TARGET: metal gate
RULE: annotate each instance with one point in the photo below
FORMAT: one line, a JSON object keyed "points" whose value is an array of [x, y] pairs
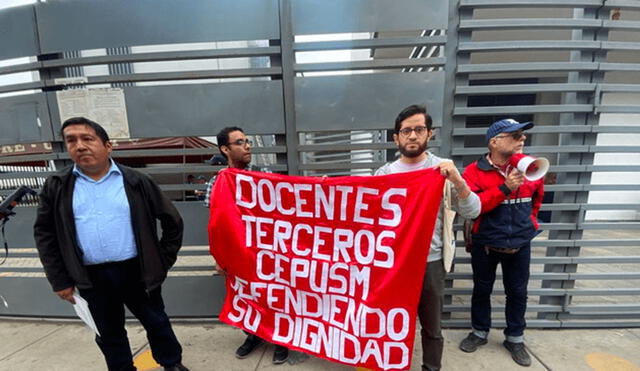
{"points": [[319, 83]]}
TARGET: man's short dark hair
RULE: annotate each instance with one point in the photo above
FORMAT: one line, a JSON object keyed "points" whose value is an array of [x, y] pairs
{"points": [[102, 134], [413, 109], [223, 136]]}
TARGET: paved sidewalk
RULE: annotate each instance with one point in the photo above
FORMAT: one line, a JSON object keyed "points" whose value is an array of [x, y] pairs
{"points": [[51, 346]]}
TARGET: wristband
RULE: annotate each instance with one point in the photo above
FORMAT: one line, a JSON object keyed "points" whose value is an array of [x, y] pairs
{"points": [[506, 190]]}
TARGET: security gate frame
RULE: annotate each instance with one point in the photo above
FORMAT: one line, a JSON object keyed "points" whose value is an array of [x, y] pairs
{"points": [[430, 52]]}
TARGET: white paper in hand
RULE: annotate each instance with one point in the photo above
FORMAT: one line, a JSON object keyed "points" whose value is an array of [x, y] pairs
{"points": [[82, 310]]}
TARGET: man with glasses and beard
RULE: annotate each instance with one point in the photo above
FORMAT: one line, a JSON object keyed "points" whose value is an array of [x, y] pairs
{"points": [[502, 235], [413, 130], [236, 147]]}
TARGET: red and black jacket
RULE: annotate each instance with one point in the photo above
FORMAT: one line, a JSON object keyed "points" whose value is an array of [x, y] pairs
{"points": [[507, 218]]}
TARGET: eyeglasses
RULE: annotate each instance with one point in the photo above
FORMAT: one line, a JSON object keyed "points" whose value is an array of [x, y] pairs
{"points": [[419, 130], [242, 142], [516, 135]]}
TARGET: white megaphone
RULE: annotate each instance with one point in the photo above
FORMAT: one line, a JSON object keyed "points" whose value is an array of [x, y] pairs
{"points": [[532, 168]]}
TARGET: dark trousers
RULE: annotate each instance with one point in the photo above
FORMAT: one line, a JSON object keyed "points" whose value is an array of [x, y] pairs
{"points": [[515, 273], [430, 315], [253, 337], [118, 284]]}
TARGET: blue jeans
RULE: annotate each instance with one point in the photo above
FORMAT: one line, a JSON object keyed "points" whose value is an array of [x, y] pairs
{"points": [[118, 284], [515, 273]]}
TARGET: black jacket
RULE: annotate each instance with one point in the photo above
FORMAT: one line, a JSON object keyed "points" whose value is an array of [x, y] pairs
{"points": [[55, 232]]}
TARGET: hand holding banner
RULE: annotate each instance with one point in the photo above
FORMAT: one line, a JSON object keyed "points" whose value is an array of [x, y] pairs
{"points": [[329, 266]]}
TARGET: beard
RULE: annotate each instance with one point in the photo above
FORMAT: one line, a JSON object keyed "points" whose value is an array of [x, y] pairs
{"points": [[413, 152], [241, 161]]}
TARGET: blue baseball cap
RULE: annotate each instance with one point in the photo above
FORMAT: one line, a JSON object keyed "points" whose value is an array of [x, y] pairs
{"points": [[506, 126], [217, 160]]}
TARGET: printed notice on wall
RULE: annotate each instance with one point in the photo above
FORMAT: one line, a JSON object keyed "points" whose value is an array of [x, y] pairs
{"points": [[104, 106]]}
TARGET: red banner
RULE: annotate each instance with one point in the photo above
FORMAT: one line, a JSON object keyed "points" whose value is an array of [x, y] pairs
{"points": [[329, 266]]}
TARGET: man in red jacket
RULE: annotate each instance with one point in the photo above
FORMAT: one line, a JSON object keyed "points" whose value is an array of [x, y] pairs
{"points": [[502, 234]]}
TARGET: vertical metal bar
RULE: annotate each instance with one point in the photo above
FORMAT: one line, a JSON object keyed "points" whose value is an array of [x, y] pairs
{"points": [[73, 71], [120, 68], [452, 79], [451, 65], [572, 216], [50, 73], [288, 80]]}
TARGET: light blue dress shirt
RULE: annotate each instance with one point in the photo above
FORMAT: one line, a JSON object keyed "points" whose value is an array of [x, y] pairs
{"points": [[103, 218]]}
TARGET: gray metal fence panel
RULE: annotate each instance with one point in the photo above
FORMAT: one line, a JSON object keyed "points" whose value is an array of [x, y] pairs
{"points": [[204, 109], [368, 101], [194, 214], [17, 33], [571, 123], [77, 25], [19, 294], [333, 16], [571, 83], [25, 119], [19, 229]]}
